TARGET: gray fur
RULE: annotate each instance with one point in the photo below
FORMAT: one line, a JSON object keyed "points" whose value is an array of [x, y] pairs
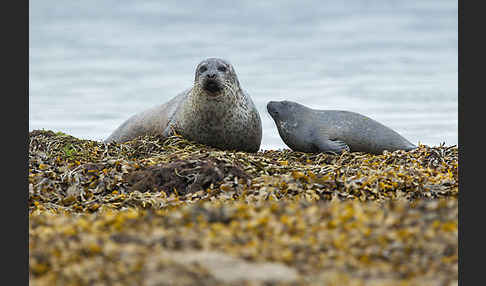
{"points": [[312, 130], [215, 112]]}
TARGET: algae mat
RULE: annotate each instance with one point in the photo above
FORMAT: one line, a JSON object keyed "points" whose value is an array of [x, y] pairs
{"points": [[171, 212]]}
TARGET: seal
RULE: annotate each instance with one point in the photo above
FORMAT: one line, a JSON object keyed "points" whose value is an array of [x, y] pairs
{"points": [[216, 111], [313, 131]]}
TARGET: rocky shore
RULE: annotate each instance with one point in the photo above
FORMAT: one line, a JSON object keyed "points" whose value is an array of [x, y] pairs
{"points": [[171, 212]]}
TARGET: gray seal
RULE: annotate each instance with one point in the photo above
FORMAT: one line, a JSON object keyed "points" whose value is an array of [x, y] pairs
{"points": [[313, 131], [214, 112]]}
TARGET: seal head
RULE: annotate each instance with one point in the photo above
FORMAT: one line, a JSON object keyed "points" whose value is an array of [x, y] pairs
{"points": [[214, 75]]}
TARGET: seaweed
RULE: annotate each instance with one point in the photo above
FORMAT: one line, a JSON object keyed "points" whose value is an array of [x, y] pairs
{"points": [[117, 213]]}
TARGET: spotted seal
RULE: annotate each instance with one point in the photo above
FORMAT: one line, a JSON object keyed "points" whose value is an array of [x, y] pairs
{"points": [[216, 111], [313, 131]]}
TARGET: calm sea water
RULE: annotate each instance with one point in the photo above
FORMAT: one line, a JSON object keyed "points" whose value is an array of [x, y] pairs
{"points": [[92, 64]]}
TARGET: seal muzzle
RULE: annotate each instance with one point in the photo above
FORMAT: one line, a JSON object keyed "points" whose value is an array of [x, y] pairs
{"points": [[212, 85], [272, 109]]}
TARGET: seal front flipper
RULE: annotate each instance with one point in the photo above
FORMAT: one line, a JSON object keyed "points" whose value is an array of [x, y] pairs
{"points": [[330, 145], [170, 130]]}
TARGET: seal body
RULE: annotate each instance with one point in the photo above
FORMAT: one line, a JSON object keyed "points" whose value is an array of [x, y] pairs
{"points": [[215, 112], [313, 131]]}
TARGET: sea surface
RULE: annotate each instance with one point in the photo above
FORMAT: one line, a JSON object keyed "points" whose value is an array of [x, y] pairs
{"points": [[93, 64]]}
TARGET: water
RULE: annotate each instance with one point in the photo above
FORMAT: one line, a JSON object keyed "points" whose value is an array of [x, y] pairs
{"points": [[92, 64]]}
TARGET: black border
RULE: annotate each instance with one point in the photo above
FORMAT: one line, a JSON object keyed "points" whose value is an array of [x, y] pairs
{"points": [[471, 192], [463, 218], [460, 146], [15, 118]]}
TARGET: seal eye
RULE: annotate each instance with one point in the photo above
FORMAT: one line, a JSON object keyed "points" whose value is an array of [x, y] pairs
{"points": [[222, 68], [203, 69]]}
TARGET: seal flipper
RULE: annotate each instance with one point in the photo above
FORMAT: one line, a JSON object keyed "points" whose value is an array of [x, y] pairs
{"points": [[331, 145], [167, 132]]}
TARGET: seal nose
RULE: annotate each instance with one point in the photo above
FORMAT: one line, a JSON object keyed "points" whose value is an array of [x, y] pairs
{"points": [[211, 75], [271, 108]]}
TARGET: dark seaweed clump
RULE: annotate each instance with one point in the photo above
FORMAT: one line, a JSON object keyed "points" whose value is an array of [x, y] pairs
{"points": [[183, 176]]}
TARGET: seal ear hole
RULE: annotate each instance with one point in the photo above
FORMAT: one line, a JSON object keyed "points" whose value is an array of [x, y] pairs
{"points": [[222, 69]]}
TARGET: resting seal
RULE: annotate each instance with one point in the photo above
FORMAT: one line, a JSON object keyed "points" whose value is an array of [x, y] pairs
{"points": [[312, 130], [214, 112]]}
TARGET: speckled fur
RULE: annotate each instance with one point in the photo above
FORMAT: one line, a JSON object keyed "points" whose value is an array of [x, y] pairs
{"points": [[226, 119]]}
